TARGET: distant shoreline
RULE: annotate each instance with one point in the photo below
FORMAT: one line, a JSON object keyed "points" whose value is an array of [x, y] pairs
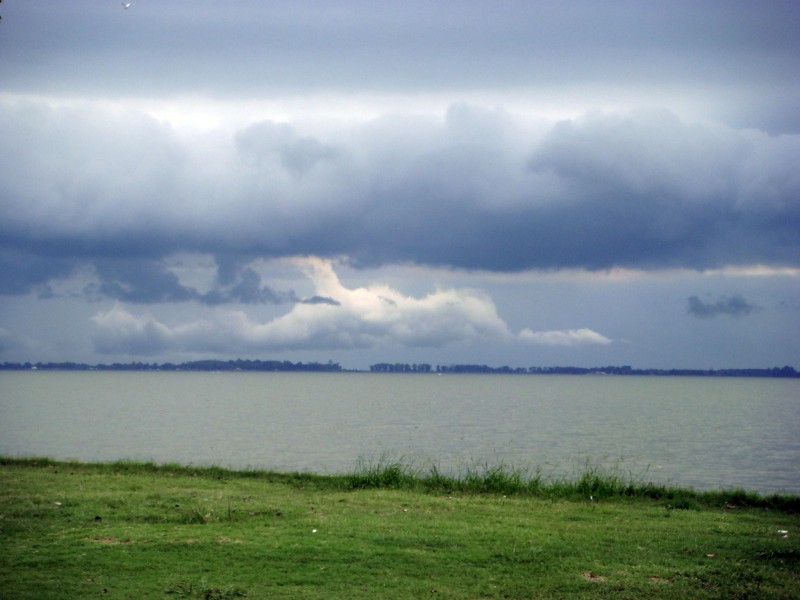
{"points": [[423, 368]]}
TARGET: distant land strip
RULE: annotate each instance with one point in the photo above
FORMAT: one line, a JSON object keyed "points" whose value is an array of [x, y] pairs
{"points": [[329, 367]]}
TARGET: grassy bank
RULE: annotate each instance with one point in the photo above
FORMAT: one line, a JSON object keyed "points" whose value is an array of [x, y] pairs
{"points": [[132, 530]]}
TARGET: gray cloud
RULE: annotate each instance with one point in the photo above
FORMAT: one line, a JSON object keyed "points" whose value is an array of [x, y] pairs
{"points": [[477, 190], [8, 341], [246, 288], [321, 300], [23, 271], [267, 141], [256, 48], [137, 281], [148, 282], [732, 306]]}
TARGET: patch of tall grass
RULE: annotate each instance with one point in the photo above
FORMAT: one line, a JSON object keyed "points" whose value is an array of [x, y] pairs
{"points": [[593, 483]]}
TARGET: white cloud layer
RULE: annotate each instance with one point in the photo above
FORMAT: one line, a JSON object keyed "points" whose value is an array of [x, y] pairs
{"points": [[364, 317], [569, 337]]}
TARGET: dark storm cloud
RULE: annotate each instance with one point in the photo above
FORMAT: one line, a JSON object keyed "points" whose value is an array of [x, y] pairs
{"points": [[320, 300], [140, 282], [246, 288], [645, 191], [83, 171], [476, 190], [149, 282], [651, 191], [732, 306], [22, 272], [91, 182]]}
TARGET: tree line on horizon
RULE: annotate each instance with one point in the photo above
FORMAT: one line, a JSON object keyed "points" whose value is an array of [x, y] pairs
{"points": [[198, 365], [332, 367], [785, 371]]}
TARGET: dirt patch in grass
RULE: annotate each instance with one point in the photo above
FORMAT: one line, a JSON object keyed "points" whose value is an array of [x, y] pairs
{"points": [[111, 540]]}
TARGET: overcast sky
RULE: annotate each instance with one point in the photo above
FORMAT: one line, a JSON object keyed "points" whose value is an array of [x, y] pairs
{"points": [[517, 183]]}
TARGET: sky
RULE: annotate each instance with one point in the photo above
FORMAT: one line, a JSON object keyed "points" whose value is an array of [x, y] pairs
{"points": [[523, 183]]}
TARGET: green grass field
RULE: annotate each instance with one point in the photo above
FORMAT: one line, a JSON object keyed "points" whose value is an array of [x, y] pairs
{"points": [[129, 530]]}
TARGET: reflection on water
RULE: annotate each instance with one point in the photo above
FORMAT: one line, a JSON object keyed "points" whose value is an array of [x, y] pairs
{"points": [[699, 432]]}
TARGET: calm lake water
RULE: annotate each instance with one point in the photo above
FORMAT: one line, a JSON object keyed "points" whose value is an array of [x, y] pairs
{"points": [[698, 432]]}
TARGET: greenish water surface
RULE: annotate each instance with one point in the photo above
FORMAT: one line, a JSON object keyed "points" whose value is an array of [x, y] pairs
{"points": [[705, 433]]}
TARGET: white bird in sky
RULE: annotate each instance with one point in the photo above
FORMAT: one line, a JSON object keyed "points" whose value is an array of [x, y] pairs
{"points": [[126, 5]]}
